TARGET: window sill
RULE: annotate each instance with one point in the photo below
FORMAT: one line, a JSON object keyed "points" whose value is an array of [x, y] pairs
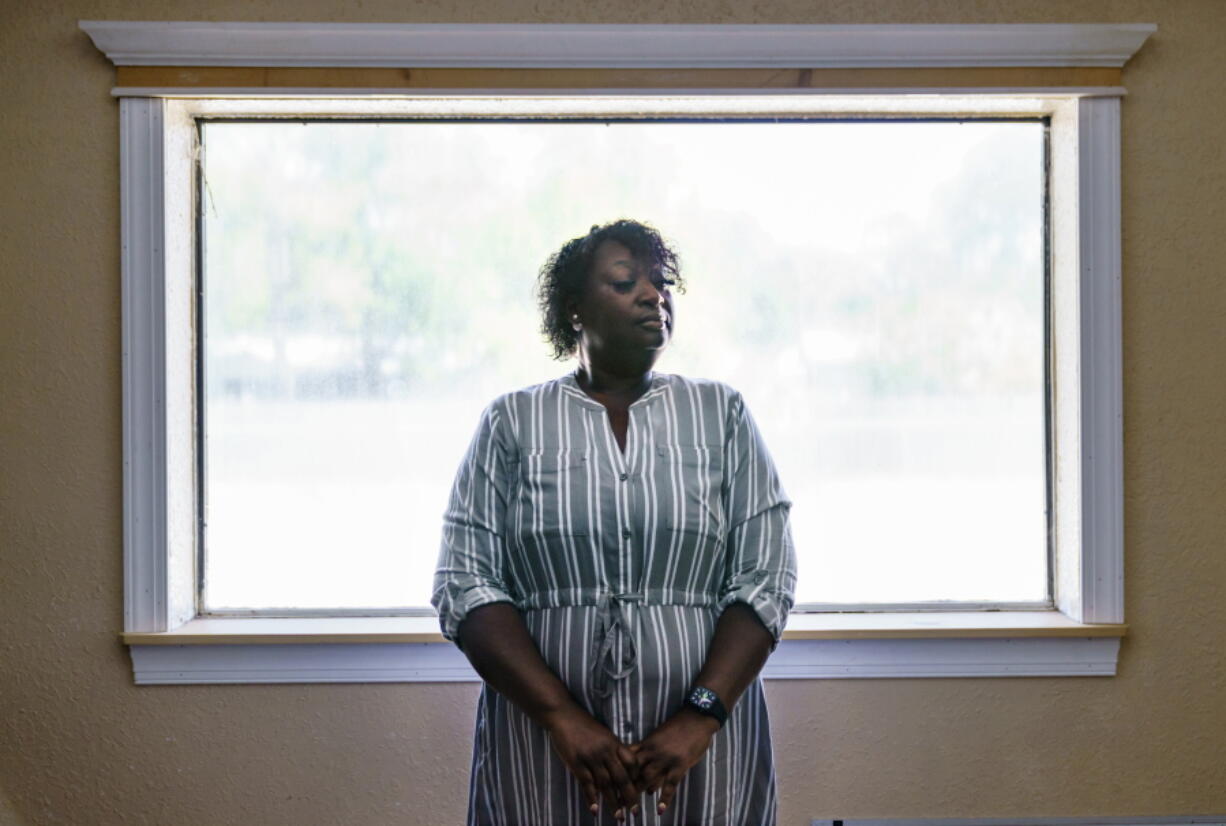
{"points": [[826, 626], [815, 646]]}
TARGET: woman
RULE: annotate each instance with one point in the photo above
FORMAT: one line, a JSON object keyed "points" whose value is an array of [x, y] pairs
{"points": [[617, 565]]}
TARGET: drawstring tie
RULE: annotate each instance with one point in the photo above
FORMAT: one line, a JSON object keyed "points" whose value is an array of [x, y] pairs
{"points": [[614, 616]]}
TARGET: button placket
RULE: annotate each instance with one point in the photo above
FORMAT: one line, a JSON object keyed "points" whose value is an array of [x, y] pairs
{"points": [[627, 556]]}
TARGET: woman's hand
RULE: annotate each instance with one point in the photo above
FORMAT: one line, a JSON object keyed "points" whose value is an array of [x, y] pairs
{"points": [[601, 763], [666, 754]]}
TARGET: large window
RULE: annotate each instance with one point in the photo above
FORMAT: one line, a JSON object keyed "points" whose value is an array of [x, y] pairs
{"points": [[917, 288], [875, 286]]}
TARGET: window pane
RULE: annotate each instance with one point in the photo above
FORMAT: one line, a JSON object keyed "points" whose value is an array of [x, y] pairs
{"points": [[875, 289]]}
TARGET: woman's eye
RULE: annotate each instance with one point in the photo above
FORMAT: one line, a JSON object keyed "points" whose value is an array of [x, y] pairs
{"points": [[623, 286]]}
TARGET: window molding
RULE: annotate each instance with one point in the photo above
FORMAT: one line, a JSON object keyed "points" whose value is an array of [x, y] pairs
{"points": [[159, 437], [1100, 597]]}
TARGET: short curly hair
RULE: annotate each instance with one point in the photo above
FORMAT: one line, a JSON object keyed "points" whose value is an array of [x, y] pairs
{"points": [[564, 275]]}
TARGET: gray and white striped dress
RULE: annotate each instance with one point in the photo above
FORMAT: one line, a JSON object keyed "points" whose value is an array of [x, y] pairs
{"points": [[620, 565]]}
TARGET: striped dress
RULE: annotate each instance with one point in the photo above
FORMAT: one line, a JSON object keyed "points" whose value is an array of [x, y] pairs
{"points": [[620, 564]]}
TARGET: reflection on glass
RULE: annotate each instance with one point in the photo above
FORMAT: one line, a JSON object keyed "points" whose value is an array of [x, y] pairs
{"points": [[874, 289]]}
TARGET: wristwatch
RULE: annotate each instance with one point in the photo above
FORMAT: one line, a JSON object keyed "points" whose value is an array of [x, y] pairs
{"points": [[705, 701]]}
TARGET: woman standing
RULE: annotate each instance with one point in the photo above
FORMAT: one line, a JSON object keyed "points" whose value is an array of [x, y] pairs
{"points": [[617, 565]]}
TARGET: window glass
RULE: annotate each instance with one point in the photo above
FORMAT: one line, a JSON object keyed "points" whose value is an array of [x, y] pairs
{"points": [[875, 289]]}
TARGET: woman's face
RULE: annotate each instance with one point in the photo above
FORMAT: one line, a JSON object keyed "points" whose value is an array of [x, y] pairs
{"points": [[627, 304]]}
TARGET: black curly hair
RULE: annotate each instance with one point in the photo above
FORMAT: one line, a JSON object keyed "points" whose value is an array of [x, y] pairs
{"points": [[564, 275]]}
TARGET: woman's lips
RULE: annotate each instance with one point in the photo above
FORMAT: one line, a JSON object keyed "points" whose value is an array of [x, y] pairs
{"points": [[655, 322]]}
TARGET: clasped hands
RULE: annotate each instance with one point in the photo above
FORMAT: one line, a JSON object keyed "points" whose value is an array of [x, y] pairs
{"points": [[619, 772]]}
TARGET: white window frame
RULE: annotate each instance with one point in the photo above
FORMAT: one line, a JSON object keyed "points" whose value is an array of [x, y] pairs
{"points": [[170, 644]]}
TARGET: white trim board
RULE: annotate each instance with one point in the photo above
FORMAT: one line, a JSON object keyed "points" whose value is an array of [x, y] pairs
{"points": [[175, 43], [793, 659]]}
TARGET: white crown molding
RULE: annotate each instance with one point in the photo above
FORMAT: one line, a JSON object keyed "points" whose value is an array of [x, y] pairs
{"points": [[145, 43], [303, 93]]}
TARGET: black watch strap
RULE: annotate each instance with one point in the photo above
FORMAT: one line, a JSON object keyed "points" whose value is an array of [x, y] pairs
{"points": [[706, 701]]}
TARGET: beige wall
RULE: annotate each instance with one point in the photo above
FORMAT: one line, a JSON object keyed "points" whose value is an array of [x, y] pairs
{"points": [[81, 744]]}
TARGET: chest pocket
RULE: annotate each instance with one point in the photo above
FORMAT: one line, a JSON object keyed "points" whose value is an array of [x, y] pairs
{"points": [[697, 476], [553, 492]]}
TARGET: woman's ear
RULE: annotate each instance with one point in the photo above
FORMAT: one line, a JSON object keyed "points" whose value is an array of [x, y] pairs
{"points": [[572, 315]]}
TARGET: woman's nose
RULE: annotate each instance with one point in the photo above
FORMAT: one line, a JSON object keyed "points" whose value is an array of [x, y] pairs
{"points": [[652, 295]]}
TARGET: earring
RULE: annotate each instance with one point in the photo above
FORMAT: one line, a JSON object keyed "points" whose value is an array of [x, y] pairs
{"points": [[575, 323]]}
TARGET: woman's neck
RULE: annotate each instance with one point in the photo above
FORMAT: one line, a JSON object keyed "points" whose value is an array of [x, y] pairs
{"points": [[613, 383]]}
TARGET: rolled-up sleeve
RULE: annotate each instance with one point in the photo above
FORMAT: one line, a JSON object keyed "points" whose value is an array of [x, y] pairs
{"points": [[760, 568], [472, 569]]}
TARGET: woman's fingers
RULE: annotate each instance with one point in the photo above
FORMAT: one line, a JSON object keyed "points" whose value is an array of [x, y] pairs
{"points": [[666, 795], [630, 761], [633, 759], [610, 787], [653, 769], [589, 791], [650, 775], [604, 784], [621, 779], [629, 756]]}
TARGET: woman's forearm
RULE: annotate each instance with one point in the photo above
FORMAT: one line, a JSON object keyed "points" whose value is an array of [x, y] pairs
{"points": [[497, 643], [738, 650]]}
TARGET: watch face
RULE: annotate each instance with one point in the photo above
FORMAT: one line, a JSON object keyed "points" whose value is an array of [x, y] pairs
{"points": [[703, 697]]}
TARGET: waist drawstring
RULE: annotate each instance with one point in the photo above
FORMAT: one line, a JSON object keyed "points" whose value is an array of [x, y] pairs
{"points": [[613, 617]]}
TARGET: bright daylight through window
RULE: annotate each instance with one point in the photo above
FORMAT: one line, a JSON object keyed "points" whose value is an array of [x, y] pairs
{"points": [[876, 289]]}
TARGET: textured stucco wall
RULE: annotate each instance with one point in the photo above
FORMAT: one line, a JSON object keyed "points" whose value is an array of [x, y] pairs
{"points": [[80, 744]]}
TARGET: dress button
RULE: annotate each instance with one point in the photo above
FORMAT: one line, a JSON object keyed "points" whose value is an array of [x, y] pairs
{"points": [[624, 477], [626, 534]]}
